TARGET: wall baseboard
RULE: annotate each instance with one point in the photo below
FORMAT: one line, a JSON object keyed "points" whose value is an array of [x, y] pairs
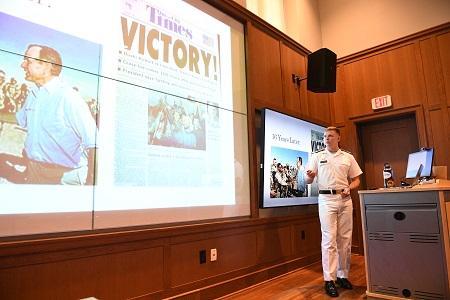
{"points": [[238, 283]]}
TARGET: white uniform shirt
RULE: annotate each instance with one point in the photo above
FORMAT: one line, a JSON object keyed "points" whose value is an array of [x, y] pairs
{"points": [[333, 169]]}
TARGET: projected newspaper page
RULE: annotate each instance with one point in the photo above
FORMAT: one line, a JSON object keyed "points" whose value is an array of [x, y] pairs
{"points": [[170, 124]]}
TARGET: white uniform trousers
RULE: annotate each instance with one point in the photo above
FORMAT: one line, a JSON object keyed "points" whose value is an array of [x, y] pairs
{"points": [[336, 222]]}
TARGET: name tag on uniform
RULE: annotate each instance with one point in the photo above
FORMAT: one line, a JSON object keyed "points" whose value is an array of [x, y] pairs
{"points": [[323, 161]]}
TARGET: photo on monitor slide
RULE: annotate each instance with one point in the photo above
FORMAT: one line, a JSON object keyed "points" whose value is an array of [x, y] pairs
{"points": [[287, 173]]}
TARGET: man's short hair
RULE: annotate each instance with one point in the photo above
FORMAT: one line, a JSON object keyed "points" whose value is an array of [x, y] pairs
{"points": [[50, 55], [335, 129]]}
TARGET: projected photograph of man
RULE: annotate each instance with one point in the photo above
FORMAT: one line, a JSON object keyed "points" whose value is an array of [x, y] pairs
{"points": [[287, 173], [48, 112], [176, 122], [317, 143], [213, 114]]}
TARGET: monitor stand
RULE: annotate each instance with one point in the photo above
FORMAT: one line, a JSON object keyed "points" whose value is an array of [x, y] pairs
{"points": [[417, 178]]}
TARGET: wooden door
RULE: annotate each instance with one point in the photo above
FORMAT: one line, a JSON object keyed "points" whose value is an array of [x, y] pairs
{"points": [[387, 140]]}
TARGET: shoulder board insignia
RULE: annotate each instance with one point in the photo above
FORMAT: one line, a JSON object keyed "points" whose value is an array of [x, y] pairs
{"points": [[318, 151], [347, 151]]}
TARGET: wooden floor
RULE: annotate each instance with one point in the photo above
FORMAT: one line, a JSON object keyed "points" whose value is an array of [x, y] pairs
{"points": [[305, 283]]}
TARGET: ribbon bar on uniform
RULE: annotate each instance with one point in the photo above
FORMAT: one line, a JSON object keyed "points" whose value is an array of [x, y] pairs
{"points": [[330, 192]]}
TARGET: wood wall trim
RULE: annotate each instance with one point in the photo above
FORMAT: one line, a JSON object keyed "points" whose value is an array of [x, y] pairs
{"points": [[417, 110], [253, 155], [131, 239], [254, 259], [253, 134], [434, 107], [243, 15], [394, 44], [384, 113], [224, 287]]}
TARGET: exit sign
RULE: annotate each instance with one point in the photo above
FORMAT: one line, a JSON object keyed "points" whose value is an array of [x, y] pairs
{"points": [[381, 102]]}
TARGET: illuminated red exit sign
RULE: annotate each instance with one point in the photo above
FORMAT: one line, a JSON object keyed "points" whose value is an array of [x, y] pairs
{"points": [[381, 102]]}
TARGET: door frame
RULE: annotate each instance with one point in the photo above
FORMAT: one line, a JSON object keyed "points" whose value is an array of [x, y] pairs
{"points": [[416, 111]]}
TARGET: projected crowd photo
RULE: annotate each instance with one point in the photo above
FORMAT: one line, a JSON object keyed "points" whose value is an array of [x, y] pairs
{"points": [[176, 122]]}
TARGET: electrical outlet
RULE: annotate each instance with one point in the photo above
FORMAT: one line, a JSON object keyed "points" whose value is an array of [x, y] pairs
{"points": [[202, 256], [213, 254], [302, 235]]}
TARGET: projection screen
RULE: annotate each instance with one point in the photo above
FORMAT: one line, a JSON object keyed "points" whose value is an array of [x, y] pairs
{"points": [[150, 100]]}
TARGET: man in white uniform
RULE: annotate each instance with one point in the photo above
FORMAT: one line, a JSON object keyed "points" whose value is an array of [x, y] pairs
{"points": [[337, 173]]}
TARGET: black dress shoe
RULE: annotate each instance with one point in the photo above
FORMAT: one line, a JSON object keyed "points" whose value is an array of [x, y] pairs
{"points": [[344, 283], [331, 289]]}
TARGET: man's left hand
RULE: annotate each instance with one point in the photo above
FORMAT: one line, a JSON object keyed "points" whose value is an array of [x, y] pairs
{"points": [[345, 192]]}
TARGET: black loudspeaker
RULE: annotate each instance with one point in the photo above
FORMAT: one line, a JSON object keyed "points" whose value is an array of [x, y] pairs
{"points": [[322, 71]]}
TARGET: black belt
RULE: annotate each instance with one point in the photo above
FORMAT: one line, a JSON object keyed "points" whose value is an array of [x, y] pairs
{"points": [[330, 192]]}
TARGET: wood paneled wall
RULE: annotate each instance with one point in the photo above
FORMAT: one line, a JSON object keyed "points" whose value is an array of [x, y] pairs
{"points": [[415, 71], [272, 63], [158, 263]]}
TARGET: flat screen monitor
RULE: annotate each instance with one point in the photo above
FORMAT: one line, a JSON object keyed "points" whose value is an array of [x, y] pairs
{"points": [[423, 158], [287, 145]]}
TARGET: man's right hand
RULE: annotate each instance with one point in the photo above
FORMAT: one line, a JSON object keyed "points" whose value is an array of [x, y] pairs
{"points": [[310, 173]]}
